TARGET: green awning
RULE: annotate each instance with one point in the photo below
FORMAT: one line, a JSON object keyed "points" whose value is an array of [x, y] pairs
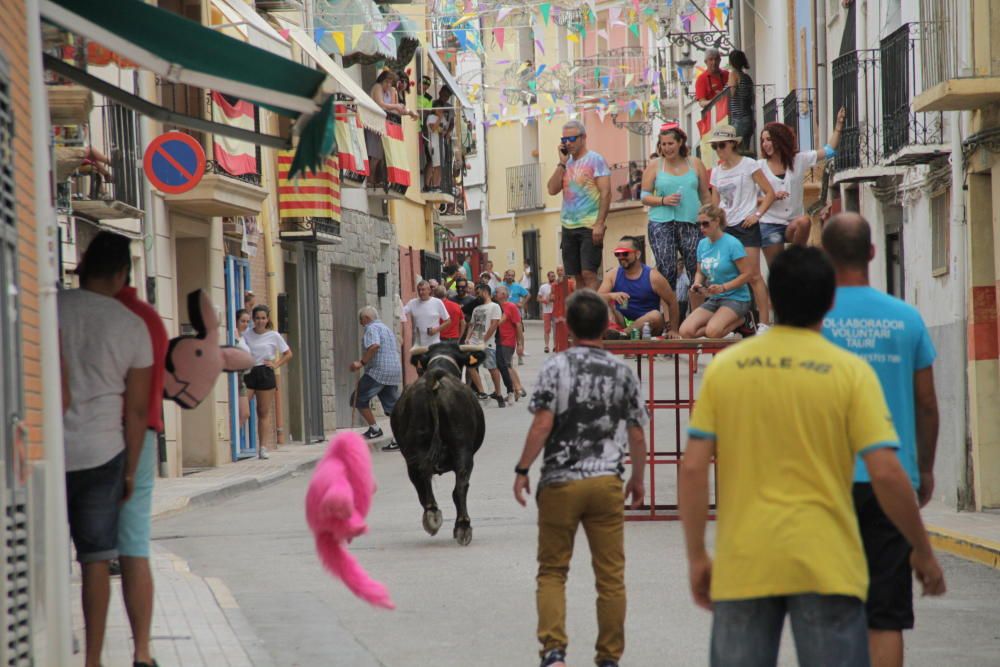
{"points": [[182, 51]]}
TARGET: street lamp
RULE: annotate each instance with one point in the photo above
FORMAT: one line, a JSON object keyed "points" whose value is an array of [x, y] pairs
{"points": [[686, 63]]}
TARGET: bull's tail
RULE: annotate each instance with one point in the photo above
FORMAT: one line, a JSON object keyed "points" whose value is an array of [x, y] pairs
{"points": [[342, 565], [436, 451]]}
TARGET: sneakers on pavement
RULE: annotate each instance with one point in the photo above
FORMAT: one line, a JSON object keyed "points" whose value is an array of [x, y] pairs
{"points": [[761, 328], [554, 658], [263, 453], [372, 433], [393, 446]]}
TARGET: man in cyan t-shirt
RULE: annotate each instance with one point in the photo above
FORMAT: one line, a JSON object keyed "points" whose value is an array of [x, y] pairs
{"points": [[890, 335]]}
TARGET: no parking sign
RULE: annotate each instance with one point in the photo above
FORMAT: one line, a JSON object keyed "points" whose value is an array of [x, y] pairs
{"points": [[174, 162]]}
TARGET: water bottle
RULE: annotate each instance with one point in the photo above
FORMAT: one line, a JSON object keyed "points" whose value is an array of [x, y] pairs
{"points": [[647, 333]]}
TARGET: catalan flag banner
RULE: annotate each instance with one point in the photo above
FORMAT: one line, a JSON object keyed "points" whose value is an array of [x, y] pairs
{"points": [[396, 162], [352, 154], [313, 195], [236, 157], [716, 114]]}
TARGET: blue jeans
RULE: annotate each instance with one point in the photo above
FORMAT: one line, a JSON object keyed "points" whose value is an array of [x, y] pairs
{"points": [[829, 631]]}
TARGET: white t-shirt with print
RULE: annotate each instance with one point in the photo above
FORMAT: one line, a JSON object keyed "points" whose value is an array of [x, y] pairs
{"points": [[783, 211], [482, 318], [425, 314], [264, 347], [101, 341], [737, 190], [545, 292]]}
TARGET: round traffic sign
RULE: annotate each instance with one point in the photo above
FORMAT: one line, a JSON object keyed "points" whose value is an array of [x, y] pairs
{"points": [[174, 162]]}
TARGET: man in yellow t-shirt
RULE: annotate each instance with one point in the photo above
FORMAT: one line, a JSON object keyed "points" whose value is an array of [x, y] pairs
{"points": [[785, 414]]}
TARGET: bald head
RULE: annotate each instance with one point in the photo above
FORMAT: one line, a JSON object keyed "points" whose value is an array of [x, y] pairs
{"points": [[847, 239]]}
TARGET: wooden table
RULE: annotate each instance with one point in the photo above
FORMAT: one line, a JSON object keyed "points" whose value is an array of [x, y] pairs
{"points": [[667, 450]]}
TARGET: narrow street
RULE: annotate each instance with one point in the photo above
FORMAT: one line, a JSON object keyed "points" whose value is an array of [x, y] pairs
{"points": [[475, 605]]}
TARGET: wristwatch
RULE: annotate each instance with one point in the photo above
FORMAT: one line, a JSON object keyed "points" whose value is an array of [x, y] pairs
{"points": [[520, 471]]}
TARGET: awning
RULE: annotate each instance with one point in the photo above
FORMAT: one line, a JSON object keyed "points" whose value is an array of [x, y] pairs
{"points": [[182, 51], [372, 115], [259, 32], [449, 79]]}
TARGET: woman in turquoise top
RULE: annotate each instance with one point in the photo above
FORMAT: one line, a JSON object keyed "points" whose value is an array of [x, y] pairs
{"points": [[722, 277], [674, 186]]}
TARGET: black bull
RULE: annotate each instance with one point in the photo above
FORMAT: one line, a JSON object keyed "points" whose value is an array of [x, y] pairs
{"points": [[440, 425]]}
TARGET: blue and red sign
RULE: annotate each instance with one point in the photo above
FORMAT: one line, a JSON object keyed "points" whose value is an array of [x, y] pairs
{"points": [[174, 162]]}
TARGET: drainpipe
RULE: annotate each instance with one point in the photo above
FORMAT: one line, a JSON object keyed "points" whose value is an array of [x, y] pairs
{"points": [[819, 44], [56, 533]]}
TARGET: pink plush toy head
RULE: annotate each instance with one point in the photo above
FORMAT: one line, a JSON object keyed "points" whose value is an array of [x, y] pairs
{"points": [[195, 362], [339, 497]]}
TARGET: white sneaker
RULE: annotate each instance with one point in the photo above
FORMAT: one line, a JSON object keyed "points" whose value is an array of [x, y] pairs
{"points": [[263, 453], [761, 328], [732, 335]]}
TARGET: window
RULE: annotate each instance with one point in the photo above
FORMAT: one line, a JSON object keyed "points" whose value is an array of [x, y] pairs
{"points": [[940, 232]]}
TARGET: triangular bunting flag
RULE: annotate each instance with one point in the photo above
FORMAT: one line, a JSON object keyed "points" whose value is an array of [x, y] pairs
{"points": [[544, 9], [338, 39], [498, 36]]}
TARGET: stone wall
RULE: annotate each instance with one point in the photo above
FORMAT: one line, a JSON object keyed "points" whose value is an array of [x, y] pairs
{"points": [[369, 247]]}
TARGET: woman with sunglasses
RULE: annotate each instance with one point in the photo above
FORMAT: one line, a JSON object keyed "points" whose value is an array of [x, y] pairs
{"points": [[674, 186], [735, 181], [722, 276], [785, 168]]}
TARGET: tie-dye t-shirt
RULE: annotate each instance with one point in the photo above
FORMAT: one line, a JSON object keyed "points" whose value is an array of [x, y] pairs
{"points": [[581, 198]]}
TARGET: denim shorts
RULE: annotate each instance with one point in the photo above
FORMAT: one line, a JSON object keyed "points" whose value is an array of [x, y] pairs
{"points": [[829, 630], [748, 236], [713, 303], [93, 501], [772, 234], [369, 388], [490, 360]]}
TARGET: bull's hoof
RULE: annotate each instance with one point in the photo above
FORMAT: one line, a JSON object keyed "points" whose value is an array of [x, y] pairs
{"points": [[433, 521], [463, 534]]}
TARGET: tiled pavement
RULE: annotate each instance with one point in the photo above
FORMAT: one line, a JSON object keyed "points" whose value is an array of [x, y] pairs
{"points": [[196, 621]]}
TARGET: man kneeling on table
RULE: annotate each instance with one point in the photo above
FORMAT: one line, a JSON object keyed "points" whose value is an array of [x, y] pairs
{"points": [[636, 291]]}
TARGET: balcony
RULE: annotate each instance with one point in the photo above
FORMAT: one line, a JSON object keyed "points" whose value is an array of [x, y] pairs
{"points": [[389, 171], [797, 109], [108, 183], [626, 184], [220, 193], [321, 231], [908, 137], [524, 188], [771, 111], [614, 73], [855, 88], [946, 87]]}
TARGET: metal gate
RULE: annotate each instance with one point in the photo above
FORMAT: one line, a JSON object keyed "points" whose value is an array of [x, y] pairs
{"points": [[242, 437], [469, 247], [15, 568]]}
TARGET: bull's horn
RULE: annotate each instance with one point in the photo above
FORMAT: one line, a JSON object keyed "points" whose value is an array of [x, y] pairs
{"points": [[471, 348], [418, 349]]}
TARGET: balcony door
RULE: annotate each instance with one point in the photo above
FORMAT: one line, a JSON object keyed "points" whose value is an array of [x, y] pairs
{"points": [[243, 436]]}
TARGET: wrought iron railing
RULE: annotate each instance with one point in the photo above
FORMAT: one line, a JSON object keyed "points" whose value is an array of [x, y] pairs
{"points": [[626, 181], [797, 113], [942, 35], [524, 188], [117, 138], [900, 74], [771, 111], [855, 89]]}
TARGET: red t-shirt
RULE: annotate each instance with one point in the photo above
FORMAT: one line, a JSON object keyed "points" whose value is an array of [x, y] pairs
{"points": [[451, 331], [508, 327], [707, 86], [159, 341]]}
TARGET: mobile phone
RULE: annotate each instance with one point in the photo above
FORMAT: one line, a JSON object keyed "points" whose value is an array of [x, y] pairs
{"points": [[562, 149]]}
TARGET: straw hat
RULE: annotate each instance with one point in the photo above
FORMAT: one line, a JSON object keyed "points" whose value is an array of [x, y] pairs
{"points": [[722, 133]]}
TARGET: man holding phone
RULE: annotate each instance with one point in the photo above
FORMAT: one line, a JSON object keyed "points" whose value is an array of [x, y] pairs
{"points": [[584, 179], [427, 315]]}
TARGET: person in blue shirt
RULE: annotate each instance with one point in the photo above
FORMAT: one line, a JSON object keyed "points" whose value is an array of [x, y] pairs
{"points": [[518, 295], [891, 336], [722, 276]]}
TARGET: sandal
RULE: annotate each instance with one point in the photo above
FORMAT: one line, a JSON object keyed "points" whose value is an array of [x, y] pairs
{"points": [[556, 656]]}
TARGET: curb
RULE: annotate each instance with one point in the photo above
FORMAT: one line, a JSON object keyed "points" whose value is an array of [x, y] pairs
{"points": [[978, 550], [236, 487]]}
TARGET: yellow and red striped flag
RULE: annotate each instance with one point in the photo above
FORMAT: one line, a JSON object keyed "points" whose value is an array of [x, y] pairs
{"points": [[314, 195]]}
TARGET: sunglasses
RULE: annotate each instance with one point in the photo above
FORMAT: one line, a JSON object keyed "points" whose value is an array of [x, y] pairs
{"points": [[623, 254], [569, 140], [704, 224]]}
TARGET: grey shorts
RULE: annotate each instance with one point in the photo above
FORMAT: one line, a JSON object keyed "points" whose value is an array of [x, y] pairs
{"points": [[579, 253], [749, 236], [506, 355], [713, 303]]}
